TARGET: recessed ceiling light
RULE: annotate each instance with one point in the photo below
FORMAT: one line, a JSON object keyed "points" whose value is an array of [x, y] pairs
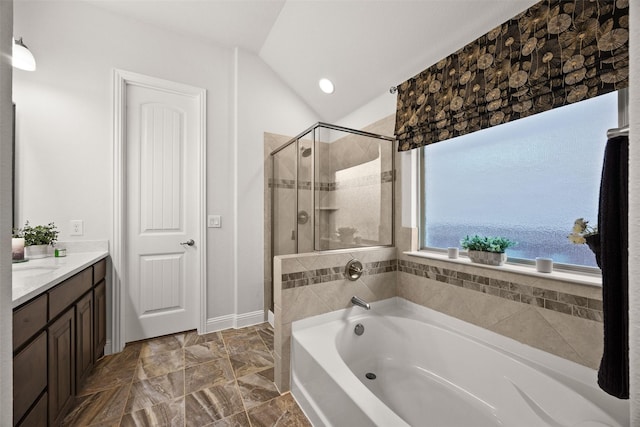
{"points": [[326, 85]]}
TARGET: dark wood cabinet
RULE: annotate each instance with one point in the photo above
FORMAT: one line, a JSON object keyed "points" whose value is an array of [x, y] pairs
{"points": [[100, 318], [29, 319], [62, 363], [84, 339], [38, 415], [30, 369], [57, 337]]}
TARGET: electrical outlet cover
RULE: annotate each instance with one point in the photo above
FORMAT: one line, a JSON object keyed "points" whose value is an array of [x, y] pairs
{"points": [[77, 227]]}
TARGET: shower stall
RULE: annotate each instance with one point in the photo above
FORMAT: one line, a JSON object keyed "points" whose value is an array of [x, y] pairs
{"points": [[331, 188]]}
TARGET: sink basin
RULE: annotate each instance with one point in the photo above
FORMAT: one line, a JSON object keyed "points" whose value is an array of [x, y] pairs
{"points": [[25, 271]]}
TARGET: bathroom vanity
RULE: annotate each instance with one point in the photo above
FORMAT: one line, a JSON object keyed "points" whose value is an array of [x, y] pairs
{"points": [[59, 331]]}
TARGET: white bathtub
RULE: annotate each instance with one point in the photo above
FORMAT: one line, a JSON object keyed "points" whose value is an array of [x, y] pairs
{"points": [[435, 370]]}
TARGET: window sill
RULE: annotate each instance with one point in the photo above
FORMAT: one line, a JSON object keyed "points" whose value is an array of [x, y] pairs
{"points": [[565, 276]]}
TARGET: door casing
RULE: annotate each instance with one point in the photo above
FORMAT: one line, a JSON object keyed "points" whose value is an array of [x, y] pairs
{"points": [[122, 79]]}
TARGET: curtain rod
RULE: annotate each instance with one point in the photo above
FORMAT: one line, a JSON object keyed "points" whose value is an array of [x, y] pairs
{"points": [[621, 131]]}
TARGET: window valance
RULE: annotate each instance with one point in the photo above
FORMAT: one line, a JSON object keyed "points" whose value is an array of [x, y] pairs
{"points": [[555, 53]]}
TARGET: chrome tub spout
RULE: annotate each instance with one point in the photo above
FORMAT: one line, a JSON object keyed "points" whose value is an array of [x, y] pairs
{"points": [[360, 302]]}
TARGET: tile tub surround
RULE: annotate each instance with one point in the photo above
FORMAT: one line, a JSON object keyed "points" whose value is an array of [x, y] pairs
{"points": [[559, 317], [518, 291], [310, 284], [218, 379]]}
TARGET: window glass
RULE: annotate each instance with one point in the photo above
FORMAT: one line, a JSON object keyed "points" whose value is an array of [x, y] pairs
{"points": [[526, 180]]}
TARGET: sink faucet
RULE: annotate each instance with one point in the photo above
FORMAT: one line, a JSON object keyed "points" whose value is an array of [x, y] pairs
{"points": [[359, 302]]}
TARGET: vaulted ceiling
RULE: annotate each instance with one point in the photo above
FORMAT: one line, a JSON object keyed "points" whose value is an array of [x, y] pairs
{"points": [[363, 46]]}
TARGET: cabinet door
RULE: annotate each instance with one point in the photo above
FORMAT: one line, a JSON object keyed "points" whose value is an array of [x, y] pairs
{"points": [[38, 415], [84, 339], [100, 318], [29, 375], [61, 366]]}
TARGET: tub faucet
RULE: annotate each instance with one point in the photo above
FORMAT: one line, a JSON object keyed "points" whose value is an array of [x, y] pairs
{"points": [[360, 302]]}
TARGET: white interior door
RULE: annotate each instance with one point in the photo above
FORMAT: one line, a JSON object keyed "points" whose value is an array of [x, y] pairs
{"points": [[162, 224]]}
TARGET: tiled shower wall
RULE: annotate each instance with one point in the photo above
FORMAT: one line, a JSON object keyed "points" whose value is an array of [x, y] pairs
{"points": [[310, 284], [360, 170]]}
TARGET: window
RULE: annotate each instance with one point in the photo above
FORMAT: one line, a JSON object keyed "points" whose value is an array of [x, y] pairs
{"points": [[527, 180]]}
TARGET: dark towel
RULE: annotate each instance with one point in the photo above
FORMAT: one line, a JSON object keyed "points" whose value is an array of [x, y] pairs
{"points": [[613, 375]]}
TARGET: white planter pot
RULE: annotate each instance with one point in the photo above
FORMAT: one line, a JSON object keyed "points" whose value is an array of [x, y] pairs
{"points": [[37, 251], [488, 258]]}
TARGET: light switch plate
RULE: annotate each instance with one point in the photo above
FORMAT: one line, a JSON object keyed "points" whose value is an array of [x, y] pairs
{"points": [[214, 221]]}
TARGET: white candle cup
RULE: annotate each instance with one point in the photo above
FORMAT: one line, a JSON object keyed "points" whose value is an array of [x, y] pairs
{"points": [[544, 265], [452, 253], [17, 249]]}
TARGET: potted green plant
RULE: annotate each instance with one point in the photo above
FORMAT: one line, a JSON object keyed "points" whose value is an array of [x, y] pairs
{"points": [[37, 239], [487, 250]]}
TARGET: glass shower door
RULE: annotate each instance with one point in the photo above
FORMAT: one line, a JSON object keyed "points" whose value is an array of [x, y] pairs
{"points": [[305, 194], [283, 202]]}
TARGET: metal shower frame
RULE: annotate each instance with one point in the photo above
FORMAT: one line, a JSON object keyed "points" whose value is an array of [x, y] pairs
{"points": [[295, 140]]}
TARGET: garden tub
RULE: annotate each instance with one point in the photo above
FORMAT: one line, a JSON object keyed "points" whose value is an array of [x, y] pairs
{"points": [[413, 366]]}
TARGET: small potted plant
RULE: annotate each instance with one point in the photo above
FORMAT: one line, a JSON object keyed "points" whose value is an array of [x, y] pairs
{"points": [[487, 250], [37, 239]]}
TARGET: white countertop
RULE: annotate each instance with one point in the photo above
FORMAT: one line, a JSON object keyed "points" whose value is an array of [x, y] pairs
{"points": [[35, 276]]}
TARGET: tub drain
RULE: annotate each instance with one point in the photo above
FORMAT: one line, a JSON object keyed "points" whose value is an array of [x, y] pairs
{"points": [[370, 376]]}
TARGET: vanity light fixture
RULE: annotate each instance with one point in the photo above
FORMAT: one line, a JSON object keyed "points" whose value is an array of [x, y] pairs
{"points": [[326, 85], [21, 57]]}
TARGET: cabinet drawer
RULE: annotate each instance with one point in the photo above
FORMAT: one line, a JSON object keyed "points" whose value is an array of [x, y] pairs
{"points": [[38, 415], [65, 294], [29, 319], [29, 375], [99, 271]]}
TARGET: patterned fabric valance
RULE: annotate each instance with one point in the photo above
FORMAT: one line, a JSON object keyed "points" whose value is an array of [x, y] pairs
{"points": [[555, 53]]}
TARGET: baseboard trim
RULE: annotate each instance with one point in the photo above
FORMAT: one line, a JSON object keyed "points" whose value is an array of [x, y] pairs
{"points": [[271, 318], [220, 323], [234, 321], [108, 348], [248, 319]]}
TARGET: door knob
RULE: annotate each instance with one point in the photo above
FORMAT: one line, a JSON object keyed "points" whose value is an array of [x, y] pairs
{"points": [[189, 242]]}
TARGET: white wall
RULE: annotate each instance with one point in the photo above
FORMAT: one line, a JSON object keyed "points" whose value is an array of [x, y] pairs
{"points": [[6, 373], [378, 108], [65, 136], [265, 104]]}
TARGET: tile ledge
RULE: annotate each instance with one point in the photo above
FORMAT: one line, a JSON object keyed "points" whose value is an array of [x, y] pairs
{"points": [[577, 278]]}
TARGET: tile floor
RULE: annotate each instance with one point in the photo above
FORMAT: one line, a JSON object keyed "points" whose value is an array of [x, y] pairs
{"points": [[220, 379]]}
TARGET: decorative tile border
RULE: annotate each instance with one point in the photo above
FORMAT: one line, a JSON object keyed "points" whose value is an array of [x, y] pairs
{"points": [[282, 183], [574, 305], [302, 185], [312, 277], [382, 178], [365, 181]]}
